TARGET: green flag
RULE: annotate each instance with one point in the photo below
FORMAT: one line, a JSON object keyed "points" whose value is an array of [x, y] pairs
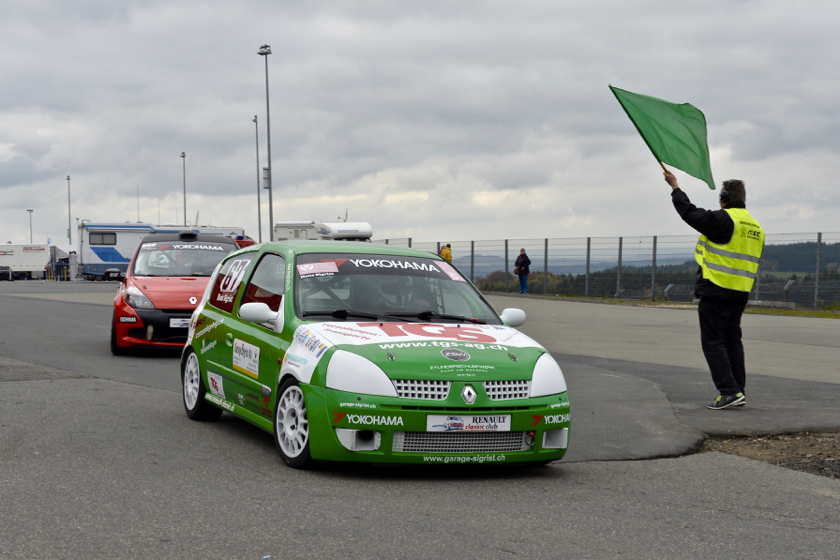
{"points": [[676, 134]]}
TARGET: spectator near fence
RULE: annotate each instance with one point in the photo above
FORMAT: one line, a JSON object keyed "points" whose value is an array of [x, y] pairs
{"points": [[728, 252], [522, 269], [446, 252]]}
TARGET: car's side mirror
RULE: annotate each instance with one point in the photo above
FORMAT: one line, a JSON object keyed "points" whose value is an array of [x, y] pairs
{"points": [[513, 317], [114, 274], [261, 313]]}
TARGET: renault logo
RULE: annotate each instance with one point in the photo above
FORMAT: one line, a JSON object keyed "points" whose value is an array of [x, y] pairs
{"points": [[193, 300], [469, 394]]}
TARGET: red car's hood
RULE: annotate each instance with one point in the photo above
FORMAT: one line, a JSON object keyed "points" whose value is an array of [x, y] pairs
{"points": [[168, 292]]}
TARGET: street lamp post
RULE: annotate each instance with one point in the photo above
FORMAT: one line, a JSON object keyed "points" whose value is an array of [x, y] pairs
{"points": [[259, 210], [184, 158], [265, 50], [69, 239], [30, 225]]}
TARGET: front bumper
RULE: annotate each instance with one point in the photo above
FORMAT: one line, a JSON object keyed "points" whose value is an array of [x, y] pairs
{"points": [[395, 430], [151, 327]]}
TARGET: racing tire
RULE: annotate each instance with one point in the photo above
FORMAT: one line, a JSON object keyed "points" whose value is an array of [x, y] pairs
{"points": [[116, 350], [194, 390], [291, 426]]}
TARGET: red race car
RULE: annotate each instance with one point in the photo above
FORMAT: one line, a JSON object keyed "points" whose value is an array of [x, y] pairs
{"points": [[163, 284]]}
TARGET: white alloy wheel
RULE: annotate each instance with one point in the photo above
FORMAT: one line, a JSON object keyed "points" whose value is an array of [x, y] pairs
{"points": [[291, 425], [197, 408], [192, 379]]}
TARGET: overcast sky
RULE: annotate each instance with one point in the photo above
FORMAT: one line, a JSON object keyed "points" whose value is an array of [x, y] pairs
{"points": [[436, 120]]}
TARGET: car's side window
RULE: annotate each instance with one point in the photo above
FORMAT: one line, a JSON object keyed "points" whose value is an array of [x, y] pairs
{"points": [[268, 282], [228, 282]]}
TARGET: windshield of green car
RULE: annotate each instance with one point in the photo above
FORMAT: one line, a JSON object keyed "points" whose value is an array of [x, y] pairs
{"points": [[179, 258], [358, 287]]}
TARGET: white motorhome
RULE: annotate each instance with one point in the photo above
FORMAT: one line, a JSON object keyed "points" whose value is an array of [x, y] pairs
{"points": [[339, 231], [26, 261], [104, 246]]}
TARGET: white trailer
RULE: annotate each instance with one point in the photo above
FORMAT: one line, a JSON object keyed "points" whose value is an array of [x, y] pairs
{"points": [[26, 261], [339, 231], [104, 246]]}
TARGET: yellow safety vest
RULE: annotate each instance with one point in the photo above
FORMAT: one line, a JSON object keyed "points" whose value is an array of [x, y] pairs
{"points": [[733, 265]]}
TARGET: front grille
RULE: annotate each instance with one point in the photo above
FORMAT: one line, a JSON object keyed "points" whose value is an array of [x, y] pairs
{"points": [[459, 442], [504, 390], [417, 389]]}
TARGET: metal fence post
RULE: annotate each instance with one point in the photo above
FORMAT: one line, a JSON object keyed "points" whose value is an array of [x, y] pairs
{"points": [[472, 260], [438, 250], [817, 275], [618, 280], [409, 243], [386, 242], [588, 250], [507, 280], [545, 273], [653, 273]]}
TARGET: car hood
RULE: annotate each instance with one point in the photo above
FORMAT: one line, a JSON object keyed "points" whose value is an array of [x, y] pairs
{"points": [[443, 351], [172, 292]]}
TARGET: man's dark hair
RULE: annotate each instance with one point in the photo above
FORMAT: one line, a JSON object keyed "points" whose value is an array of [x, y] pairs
{"points": [[737, 192]]}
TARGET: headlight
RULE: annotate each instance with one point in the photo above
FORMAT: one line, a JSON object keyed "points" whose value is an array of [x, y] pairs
{"points": [[355, 374], [548, 378], [137, 299]]}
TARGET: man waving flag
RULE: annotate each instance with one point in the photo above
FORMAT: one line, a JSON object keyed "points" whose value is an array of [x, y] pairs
{"points": [[675, 133]]}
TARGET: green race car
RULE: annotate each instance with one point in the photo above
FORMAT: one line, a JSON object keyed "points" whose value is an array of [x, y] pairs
{"points": [[363, 352]]}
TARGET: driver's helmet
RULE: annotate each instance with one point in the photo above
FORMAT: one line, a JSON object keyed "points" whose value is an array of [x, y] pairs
{"points": [[396, 290]]}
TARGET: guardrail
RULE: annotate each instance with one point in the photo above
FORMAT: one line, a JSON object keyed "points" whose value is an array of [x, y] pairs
{"points": [[798, 268]]}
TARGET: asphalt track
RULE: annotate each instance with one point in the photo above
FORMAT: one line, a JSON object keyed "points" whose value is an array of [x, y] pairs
{"points": [[97, 459]]}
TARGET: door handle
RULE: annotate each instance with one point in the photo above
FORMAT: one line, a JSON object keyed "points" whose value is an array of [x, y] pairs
{"points": [[229, 339]]}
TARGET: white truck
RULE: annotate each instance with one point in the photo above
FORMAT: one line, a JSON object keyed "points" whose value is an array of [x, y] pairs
{"points": [[339, 231], [26, 261], [104, 246]]}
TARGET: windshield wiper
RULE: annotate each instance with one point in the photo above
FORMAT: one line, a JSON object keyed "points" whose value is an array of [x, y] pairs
{"points": [[341, 314], [429, 315]]}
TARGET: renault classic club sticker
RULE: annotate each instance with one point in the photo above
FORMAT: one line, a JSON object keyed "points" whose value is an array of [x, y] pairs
{"points": [[246, 358], [468, 423]]}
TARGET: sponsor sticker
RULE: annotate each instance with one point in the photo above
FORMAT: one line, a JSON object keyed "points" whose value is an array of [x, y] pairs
{"points": [[311, 342], [205, 347], [551, 419], [367, 419], [214, 381], [179, 323], [356, 405], [223, 403], [128, 319], [208, 328], [317, 269], [455, 354], [468, 423], [451, 272], [294, 360], [246, 358]]}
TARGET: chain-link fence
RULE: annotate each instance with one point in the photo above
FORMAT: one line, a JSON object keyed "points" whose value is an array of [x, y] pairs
{"points": [[801, 269]]}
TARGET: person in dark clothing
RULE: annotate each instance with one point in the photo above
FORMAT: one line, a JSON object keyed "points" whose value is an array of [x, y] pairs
{"points": [[728, 252], [522, 270]]}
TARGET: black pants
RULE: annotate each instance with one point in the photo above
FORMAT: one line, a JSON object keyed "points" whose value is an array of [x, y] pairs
{"points": [[720, 336]]}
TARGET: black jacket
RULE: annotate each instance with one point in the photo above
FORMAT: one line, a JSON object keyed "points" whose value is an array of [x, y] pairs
{"points": [[524, 263], [718, 227]]}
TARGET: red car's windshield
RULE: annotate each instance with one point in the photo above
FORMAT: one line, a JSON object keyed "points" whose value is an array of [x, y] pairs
{"points": [[179, 258]]}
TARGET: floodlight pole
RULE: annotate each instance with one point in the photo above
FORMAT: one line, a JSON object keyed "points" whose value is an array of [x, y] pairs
{"points": [[265, 50], [259, 204], [184, 158]]}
